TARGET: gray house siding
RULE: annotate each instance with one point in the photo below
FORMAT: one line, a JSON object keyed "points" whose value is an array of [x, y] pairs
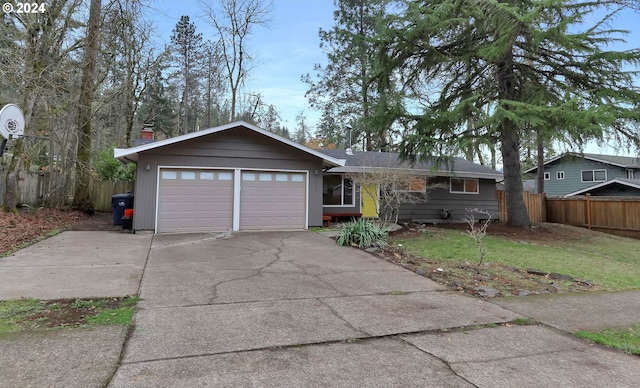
{"points": [[572, 168], [441, 198], [236, 148]]}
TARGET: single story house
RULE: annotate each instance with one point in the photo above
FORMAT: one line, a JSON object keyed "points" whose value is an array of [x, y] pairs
{"points": [[241, 177], [448, 189], [573, 173]]}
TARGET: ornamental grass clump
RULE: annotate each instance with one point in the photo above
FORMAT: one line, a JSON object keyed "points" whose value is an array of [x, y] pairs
{"points": [[363, 233]]}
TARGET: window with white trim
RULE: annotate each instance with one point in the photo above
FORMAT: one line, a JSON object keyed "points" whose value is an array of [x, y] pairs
{"points": [[594, 175], [547, 176], [560, 175], [629, 173], [464, 186], [337, 191]]}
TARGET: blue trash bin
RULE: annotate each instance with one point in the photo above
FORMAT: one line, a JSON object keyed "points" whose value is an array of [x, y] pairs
{"points": [[119, 202]]}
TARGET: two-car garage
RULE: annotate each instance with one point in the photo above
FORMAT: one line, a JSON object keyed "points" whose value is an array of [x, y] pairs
{"points": [[216, 200], [234, 177]]}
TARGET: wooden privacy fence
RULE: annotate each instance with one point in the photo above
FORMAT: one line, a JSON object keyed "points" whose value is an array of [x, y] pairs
{"points": [[535, 204], [54, 189], [615, 215], [104, 190]]}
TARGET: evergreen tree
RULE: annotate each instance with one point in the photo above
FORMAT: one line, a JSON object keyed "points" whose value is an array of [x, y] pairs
{"points": [[347, 89], [536, 67], [156, 108], [187, 49], [303, 131]]}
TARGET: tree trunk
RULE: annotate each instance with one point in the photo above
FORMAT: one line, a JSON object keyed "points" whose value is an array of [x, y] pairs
{"points": [[510, 139], [82, 196], [516, 209], [130, 114], [11, 194], [540, 171]]}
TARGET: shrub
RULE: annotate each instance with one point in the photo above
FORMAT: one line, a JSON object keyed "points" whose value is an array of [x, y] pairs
{"points": [[363, 233], [109, 168]]}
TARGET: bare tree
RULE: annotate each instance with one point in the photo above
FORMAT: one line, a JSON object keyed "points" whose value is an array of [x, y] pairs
{"points": [[234, 21], [82, 195], [127, 40], [35, 54], [478, 231], [394, 186]]}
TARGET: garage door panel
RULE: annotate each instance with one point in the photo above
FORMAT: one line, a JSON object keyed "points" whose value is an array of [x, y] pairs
{"points": [[194, 200], [272, 200]]}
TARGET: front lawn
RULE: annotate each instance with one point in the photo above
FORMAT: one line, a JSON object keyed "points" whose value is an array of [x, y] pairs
{"points": [[592, 260]]}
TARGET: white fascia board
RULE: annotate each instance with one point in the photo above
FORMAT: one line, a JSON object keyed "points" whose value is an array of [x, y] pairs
{"points": [[603, 184]]}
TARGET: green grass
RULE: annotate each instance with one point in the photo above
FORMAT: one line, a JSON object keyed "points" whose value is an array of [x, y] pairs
{"points": [[523, 321], [13, 312], [31, 314], [611, 262], [122, 315], [627, 339]]}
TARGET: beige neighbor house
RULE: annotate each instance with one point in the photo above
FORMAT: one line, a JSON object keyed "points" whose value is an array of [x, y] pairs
{"points": [[240, 177]]}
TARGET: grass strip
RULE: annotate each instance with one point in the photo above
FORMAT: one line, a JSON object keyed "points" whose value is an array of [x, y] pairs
{"points": [[625, 339]]}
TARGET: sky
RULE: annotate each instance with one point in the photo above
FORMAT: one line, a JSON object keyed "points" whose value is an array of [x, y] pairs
{"points": [[290, 48], [283, 52]]}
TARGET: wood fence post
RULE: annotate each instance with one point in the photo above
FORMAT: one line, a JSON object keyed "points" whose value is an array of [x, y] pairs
{"points": [[588, 210]]}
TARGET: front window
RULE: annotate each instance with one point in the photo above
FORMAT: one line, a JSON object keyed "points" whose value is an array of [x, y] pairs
{"points": [[560, 175], [547, 176], [464, 186], [594, 176], [337, 191], [629, 174], [413, 185]]}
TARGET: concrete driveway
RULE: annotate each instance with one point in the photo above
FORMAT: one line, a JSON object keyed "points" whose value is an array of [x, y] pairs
{"points": [[293, 309], [285, 309]]}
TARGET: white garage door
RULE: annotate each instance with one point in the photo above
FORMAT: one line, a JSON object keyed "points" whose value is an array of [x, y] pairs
{"points": [[193, 200], [273, 200]]}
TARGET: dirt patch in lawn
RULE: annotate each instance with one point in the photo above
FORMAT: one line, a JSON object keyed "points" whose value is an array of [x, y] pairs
{"points": [[539, 231], [491, 280], [31, 314]]}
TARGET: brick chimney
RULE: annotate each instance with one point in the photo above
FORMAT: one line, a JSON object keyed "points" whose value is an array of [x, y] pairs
{"points": [[146, 133]]}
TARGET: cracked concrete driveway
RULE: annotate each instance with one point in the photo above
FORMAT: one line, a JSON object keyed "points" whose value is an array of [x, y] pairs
{"points": [[239, 299], [286, 309]]}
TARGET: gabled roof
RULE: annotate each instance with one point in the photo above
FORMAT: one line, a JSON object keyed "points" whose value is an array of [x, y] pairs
{"points": [[634, 183], [127, 155], [364, 161], [614, 160]]}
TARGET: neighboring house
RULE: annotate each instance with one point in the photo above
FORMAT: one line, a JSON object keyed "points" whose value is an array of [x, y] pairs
{"points": [[579, 174], [241, 177]]}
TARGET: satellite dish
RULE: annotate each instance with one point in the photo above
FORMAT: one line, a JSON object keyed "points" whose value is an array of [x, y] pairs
{"points": [[11, 122]]}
